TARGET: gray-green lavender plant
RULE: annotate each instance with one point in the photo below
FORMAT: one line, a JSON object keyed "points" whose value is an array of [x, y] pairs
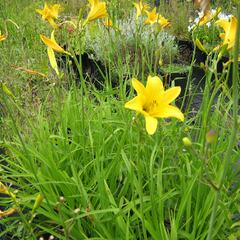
{"points": [[131, 41]]}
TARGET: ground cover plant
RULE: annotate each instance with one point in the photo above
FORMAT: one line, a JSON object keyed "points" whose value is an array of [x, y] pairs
{"points": [[119, 120]]}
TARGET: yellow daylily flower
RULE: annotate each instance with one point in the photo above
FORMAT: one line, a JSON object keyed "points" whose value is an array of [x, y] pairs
{"points": [[49, 13], [154, 17], [98, 10], [53, 46], [205, 18], [154, 102], [208, 16], [2, 37], [140, 7], [230, 30], [163, 21]]}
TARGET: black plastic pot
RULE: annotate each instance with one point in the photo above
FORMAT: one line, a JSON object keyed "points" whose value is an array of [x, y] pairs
{"points": [[92, 70], [186, 49], [195, 87]]}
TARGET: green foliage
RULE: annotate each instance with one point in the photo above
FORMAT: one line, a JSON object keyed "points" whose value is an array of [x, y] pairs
{"points": [[101, 176], [124, 183], [208, 35]]}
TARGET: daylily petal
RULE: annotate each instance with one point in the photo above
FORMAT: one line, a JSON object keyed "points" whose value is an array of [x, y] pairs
{"points": [[151, 124], [230, 29], [154, 86], [7, 212], [56, 8], [171, 94], [135, 104], [98, 10], [169, 111], [52, 60], [140, 7], [39, 11], [53, 44], [223, 23], [163, 22], [232, 32], [2, 38], [138, 86], [92, 2], [52, 23], [152, 16]]}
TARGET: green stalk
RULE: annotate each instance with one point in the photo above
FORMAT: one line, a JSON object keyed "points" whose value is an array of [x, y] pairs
{"points": [[232, 139], [140, 174]]}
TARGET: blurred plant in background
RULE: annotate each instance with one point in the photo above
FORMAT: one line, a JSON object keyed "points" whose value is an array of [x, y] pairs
{"points": [[205, 30], [131, 41]]}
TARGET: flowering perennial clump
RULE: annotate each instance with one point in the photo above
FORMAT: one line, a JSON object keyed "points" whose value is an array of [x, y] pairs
{"points": [[50, 12], [215, 21]]}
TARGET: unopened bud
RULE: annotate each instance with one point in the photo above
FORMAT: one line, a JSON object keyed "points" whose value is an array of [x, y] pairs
{"points": [[187, 142], [38, 202], [160, 62]]}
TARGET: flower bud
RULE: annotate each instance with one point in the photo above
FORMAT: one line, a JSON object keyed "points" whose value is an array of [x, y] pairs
{"points": [[187, 142], [160, 62], [38, 202]]}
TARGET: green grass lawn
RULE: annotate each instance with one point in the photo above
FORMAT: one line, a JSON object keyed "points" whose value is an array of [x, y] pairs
{"points": [[78, 165]]}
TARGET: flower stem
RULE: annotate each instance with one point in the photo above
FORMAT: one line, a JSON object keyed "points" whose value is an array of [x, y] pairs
{"points": [[232, 139]]}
